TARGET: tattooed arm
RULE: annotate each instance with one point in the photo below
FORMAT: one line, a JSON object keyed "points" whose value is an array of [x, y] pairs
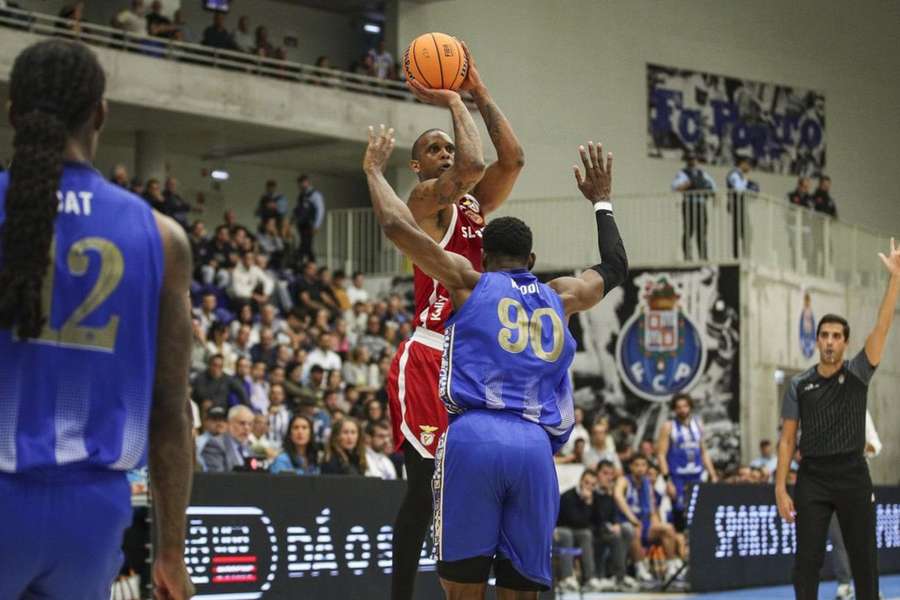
{"points": [[433, 195], [500, 177]]}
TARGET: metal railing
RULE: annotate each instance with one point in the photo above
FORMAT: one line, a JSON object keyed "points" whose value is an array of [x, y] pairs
{"points": [[668, 229], [198, 54]]}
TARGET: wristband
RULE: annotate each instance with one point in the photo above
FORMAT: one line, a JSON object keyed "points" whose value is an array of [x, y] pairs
{"points": [[604, 206]]}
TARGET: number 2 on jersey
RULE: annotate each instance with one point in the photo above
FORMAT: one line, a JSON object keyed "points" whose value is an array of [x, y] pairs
{"points": [[72, 333], [525, 329]]}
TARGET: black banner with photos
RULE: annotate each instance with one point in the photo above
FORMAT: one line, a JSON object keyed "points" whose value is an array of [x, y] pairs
{"points": [[739, 540]]}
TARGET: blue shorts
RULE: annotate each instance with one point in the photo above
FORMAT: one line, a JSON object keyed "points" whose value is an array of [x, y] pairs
{"points": [[62, 534], [496, 493], [681, 482]]}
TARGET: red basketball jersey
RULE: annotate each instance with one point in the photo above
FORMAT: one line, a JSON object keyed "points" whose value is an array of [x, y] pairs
{"points": [[463, 237]]}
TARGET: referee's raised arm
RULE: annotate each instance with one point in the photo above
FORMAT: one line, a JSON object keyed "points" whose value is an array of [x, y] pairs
{"points": [[876, 339]]}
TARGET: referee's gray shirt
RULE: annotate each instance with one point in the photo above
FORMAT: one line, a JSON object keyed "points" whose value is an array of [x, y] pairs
{"points": [[831, 410]]}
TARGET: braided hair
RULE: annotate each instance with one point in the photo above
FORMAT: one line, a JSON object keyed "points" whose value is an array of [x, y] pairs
{"points": [[55, 87]]}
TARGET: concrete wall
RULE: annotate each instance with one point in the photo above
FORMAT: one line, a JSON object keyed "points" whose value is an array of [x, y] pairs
{"points": [[566, 71], [771, 307]]}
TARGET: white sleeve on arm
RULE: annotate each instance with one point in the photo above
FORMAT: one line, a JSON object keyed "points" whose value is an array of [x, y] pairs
{"points": [[679, 180], [319, 201], [872, 436]]}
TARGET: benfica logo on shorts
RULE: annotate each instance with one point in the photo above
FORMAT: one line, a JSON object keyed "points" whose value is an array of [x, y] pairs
{"points": [[659, 351], [472, 208], [427, 434]]}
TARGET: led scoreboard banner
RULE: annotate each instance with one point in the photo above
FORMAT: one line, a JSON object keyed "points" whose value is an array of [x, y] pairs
{"points": [[252, 536], [740, 540]]}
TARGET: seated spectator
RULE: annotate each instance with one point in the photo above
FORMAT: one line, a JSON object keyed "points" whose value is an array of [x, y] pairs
{"points": [[358, 372], [373, 339], [261, 45], [767, 460], [259, 389], [153, 196], [579, 517], [242, 36], [131, 19], [265, 351], [231, 450], [601, 447], [244, 317], [216, 36], [243, 342], [356, 291], [300, 452], [579, 432], [326, 286], [378, 446], [249, 282], [215, 423], [215, 386], [119, 176], [801, 196], [136, 186], [323, 355], [279, 415], [175, 206], [217, 343], [209, 312], [269, 319], [198, 346], [396, 312], [346, 452], [261, 443], [158, 24], [221, 255], [648, 449], [822, 200], [636, 502]]}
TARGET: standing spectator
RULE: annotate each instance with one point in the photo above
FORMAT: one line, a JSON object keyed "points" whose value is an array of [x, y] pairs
{"points": [[356, 291], [382, 61], [74, 12], [231, 450], [216, 36], [131, 19], [175, 206], [801, 196], [158, 24], [185, 33], [213, 385], [578, 519], [601, 447], [153, 196], [737, 183], [300, 452], [323, 355], [119, 176], [271, 203], [308, 216], [278, 414], [767, 460], [378, 444], [822, 200], [261, 45], [199, 241], [579, 432], [346, 452], [617, 537], [270, 242], [365, 66], [242, 36], [220, 257], [697, 187]]}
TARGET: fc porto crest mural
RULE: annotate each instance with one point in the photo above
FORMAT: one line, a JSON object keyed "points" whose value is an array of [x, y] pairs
{"points": [[665, 331]]}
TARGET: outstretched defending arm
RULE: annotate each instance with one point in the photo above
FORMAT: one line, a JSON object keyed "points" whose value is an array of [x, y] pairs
{"points": [[876, 339], [400, 226], [581, 293], [432, 195], [500, 177]]}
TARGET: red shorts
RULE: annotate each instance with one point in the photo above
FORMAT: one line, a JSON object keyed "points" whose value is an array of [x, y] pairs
{"points": [[418, 415]]}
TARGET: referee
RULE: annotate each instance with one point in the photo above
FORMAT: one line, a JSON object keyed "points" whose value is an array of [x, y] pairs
{"points": [[830, 401]]}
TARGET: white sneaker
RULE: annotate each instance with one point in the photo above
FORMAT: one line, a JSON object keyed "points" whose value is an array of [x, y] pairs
{"points": [[643, 572], [629, 584], [672, 567], [569, 584], [599, 585], [844, 592]]}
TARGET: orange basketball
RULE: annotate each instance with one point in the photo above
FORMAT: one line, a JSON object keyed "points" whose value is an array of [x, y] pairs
{"points": [[437, 61]]}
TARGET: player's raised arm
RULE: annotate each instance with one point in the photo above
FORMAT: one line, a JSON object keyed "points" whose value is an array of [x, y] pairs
{"points": [[876, 339], [500, 176], [171, 446], [432, 195], [400, 226], [581, 293]]}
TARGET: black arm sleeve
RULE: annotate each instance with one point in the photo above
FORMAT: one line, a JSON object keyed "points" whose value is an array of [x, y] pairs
{"points": [[614, 262]]}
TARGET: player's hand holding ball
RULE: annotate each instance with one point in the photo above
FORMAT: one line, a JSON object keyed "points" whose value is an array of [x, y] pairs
{"points": [[436, 65], [381, 145]]}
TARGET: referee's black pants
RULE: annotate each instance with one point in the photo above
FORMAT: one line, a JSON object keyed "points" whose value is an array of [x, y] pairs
{"points": [[412, 523], [835, 484]]}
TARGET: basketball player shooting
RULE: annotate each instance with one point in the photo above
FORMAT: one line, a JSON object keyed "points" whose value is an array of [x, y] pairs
{"points": [[442, 206], [504, 380], [95, 335]]}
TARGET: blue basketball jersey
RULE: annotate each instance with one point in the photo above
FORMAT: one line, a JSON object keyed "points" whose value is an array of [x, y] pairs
{"points": [[684, 448], [638, 499], [509, 348], [79, 395]]}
